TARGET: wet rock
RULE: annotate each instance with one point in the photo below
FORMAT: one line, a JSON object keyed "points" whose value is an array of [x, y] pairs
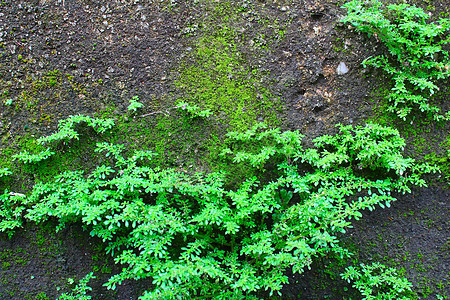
{"points": [[311, 102], [311, 69], [287, 79]]}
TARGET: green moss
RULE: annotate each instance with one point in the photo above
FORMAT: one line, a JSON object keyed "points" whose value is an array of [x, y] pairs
{"points": [[224, 85], [101, 262], [442, 159], [220, 78], [216, 75], [339, 46], [39, 296]]}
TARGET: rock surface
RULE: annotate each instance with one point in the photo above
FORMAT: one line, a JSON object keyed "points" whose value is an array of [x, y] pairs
{"points": [[61, 58]]}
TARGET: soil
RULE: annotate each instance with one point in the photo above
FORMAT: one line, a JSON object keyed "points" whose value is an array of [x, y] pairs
{"points": [[66, 57]]}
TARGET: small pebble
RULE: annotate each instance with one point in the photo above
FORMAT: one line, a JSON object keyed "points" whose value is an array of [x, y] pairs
{"points": [[342, 69]]}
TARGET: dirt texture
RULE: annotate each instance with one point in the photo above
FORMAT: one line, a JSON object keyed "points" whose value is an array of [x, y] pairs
{"points": [[66, 57]]}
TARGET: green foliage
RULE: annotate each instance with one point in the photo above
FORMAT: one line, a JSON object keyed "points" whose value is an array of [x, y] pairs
{"points": [[443, 161], [66, 128], [27, 157], [66, 132], [134, 104], [4, 172], [194, 110], [12, 206], [195, 237], [446, 166], [377, 282], [417, 59], [79, 291]]}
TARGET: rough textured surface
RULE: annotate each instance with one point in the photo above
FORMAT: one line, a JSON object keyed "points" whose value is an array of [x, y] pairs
{"points": [[65, 57]]}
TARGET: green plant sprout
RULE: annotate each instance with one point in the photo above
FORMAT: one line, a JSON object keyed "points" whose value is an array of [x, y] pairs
{"points": [[134, 104], [377, 282], [4, 172], [65, 133], [27, 157], [417, 59], [193, 110], [80, 290], [66, 128]]}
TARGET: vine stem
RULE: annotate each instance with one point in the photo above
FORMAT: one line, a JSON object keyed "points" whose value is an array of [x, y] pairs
{"points": [[165, 112]]}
